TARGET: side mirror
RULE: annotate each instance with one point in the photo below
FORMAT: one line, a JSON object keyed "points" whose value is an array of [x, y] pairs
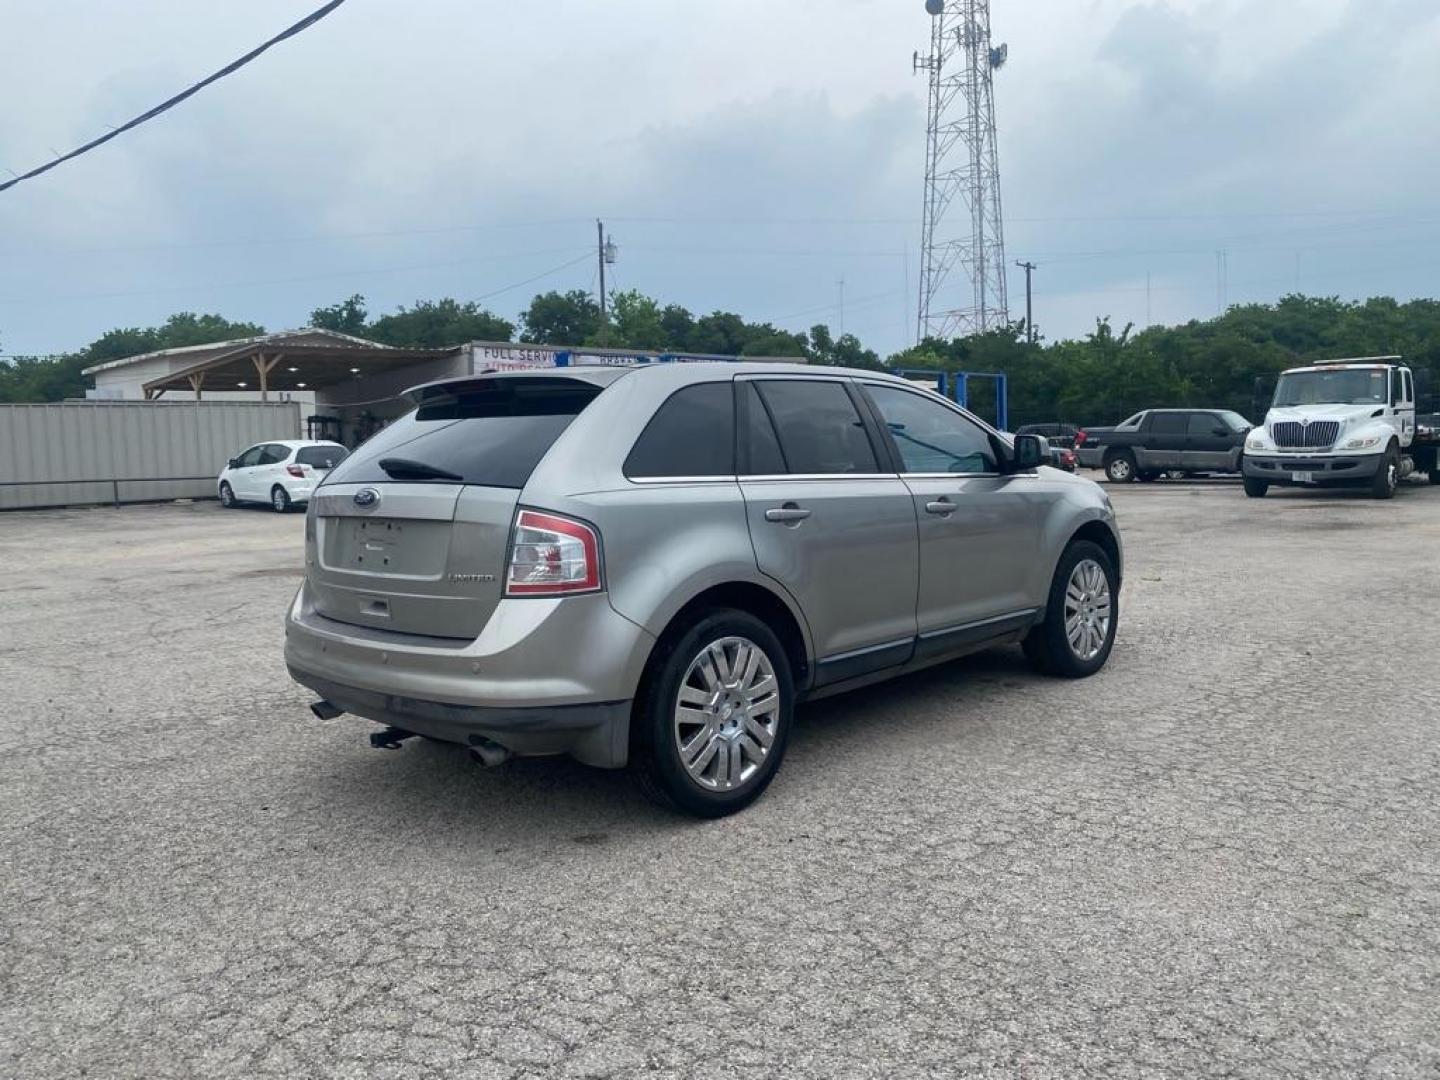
{"points": [[1030, 452], [233, 463]]}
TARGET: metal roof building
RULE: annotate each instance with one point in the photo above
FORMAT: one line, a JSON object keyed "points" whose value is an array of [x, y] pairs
{"points": [[355, 384]]}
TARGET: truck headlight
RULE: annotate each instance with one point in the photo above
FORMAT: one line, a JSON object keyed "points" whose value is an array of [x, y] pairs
{"points": [[1363, 443], [1255, 442]]}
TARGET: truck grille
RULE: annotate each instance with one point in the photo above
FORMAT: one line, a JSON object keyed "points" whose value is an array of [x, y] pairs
{"points": [[1317, 435]]}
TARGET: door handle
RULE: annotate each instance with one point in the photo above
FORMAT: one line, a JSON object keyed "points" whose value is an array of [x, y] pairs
{"points": [[941, 506], [788, 514]]}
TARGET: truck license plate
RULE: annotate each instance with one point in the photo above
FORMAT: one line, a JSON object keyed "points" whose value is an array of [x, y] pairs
{"points": [[1303, 477]]}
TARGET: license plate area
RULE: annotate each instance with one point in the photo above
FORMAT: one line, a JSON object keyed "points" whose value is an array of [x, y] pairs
{"points": [[1304, 477], [386, 547]]}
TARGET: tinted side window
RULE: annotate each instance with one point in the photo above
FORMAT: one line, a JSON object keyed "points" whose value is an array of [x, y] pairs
{"points": [[1173, 423], [1204, 423], [819, 429], [760, 453], [932, 438], [1409, 388], [251, 457], [691, 434], [273, 454]]}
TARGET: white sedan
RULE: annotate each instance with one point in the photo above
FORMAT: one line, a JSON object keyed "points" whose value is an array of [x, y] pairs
{"points": [[280, 473]]}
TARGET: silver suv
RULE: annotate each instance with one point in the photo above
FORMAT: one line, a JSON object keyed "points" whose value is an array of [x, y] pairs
{"points": [[651, 566]]}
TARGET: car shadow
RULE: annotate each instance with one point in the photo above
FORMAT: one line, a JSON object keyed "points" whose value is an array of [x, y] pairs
{"points": [[427, 788]]}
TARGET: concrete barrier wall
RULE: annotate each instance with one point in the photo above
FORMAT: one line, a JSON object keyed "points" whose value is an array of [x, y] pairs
{"points": [[77, 452]]}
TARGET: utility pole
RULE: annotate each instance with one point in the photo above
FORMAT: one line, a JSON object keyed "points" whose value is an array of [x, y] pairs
{"points": [[600, 255], [1029, 269], [842, 307]]}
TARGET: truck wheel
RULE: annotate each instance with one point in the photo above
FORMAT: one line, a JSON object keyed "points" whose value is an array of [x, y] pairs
{"points": [[1387, 477], [1120, 469], [1256, 489], [713, 715], [1081, 616]]}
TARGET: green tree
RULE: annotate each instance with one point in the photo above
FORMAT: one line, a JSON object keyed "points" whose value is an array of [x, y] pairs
{"points": [[637, 322], [845, 351], [54, 378], [678, 324], [554, 318], [438, 324], [347, 317]]}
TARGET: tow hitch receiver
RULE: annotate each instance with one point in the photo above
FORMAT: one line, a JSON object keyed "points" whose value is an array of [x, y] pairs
{"points": [[390, 738]]}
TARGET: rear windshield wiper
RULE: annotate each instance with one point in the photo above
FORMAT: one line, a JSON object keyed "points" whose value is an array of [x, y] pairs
{"points": [[405, 469]]}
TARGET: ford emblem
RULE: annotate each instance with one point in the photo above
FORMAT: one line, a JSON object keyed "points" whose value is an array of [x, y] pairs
{"points": [[367, 497]]}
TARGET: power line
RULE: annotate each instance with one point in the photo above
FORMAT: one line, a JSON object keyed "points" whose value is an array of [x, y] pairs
{"points": [[335, 275], [304, 24]]}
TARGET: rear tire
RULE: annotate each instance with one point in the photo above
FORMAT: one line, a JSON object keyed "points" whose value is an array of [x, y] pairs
{"points": [[227, 497], [1256, 489], [279, 499], [747, 707], [1387, 477], [1081, 615], [1120, 469]]}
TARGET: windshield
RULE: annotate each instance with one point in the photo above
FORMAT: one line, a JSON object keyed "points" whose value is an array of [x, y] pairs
{"points": [[1346, 386], [1235, 420], [321, 457]]}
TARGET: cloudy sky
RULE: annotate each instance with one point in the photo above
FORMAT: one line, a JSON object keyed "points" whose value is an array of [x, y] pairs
{"points": [[746, 155]]}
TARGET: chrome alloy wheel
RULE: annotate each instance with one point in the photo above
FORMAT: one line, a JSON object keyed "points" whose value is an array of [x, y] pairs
{"points": [[727, 713], [1087, 609]]}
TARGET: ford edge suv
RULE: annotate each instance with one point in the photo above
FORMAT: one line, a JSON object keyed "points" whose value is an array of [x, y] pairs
{"points": [[650, 566]]}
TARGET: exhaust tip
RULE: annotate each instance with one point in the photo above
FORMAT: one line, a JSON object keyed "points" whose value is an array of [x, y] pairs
{"points": [[323, 710], [488, 753]]}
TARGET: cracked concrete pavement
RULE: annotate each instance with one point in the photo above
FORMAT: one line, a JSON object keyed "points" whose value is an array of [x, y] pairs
{"points": [[1220, 857]]}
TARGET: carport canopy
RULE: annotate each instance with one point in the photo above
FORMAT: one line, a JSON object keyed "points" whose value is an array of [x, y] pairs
{"points": [[304, 360]]}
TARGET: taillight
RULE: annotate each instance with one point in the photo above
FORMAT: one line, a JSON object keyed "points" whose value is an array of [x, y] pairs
{"points": [[1080, 437], [296, 470], [552, 556]]}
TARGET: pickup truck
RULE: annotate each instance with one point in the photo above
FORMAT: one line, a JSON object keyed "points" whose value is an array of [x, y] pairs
{"points": [[1157, 441]]}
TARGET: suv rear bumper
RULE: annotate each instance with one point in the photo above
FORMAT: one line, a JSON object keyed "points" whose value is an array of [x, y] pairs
{"points": [[1327, 469], [597, 734], [545, 676]]}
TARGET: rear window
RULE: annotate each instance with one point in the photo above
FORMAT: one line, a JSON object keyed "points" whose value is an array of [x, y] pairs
{"points": [[491, 432], [321, 457]]}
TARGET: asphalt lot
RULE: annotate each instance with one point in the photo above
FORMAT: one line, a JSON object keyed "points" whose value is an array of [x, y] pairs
{"points": [[1220, 857]]}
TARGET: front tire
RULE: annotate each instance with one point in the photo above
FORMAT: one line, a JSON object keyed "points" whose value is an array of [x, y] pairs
{"points": [[1081, 615], [227, 497], [1256, 489], [713, 715], [279, 499], [1387, 477], [1120, 469]]}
